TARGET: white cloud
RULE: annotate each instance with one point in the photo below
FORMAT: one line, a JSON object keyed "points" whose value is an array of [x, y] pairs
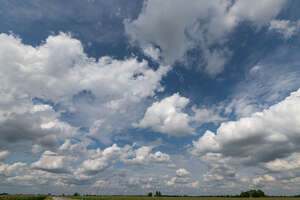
{"points": [[265, 178], [52, 162], [258, 150], [108, 95], [291, 162], [100, 183], [152, 52], [194, 184], [25, 123], [75, 148], [262, 137], [21, 174], [176, 26], [258, 11], [144, 156], [3, 154], [101, 160], [181, 182], [58, 70], [206, 143], [171, 182], [215, 60], [167, 116], [255, 69], [220, 174], [204, 115], [13, 169], [285, 27], [170, 116], [268, 82], [182, 172]]}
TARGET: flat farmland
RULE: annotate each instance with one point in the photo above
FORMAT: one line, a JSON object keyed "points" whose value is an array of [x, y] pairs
{"points": [[24, 197], [174, 198], [42, 197]]}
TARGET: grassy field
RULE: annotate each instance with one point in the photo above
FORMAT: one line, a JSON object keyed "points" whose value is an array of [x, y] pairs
{"points": [[24, 197], [41, 197], [172, 198]]}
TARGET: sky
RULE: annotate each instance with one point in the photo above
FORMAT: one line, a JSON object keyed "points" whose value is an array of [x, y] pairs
{"points": [[129, 97]]}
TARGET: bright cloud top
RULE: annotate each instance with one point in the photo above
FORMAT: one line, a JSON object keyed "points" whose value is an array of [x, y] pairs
{"points": [[167, 116]]}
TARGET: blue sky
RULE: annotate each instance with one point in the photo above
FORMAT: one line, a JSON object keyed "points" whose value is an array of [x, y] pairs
{"points": [[115, 97]]}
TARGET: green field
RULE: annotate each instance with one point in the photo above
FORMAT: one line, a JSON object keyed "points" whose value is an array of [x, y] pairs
{"points": [[173, 198], [23, 197], [42, 197]]}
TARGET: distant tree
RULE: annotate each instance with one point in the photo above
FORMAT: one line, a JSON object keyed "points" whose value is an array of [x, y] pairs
{"points": [[158, 194], [253, 193], [150, 194], [244, 194], [260, 193], [76, 194]]}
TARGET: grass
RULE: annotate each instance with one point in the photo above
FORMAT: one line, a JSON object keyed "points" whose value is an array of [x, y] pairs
{"points": [[172, 198], [24, 197], [43, 197]]}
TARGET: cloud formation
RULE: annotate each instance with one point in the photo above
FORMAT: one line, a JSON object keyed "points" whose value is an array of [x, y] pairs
{"points": [[51, 162], [110, 88], [176, 27], [257, 137], [286, 28], [86, 111], [170, 116], [167, 116]]}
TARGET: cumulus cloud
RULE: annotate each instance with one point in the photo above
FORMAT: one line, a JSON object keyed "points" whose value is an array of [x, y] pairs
{"points": [[206, 143], [266, 178], [258, 12], [167, 116], [52, 162], [22, 174], [50, 90], [220, 174], [27, 123], [265, 144], [79, 148], [286, 28], [59, 71], [179, 182], [74, 164], [13, 169], [205, 115], [197, 23], [289, 163], [99, 161], [143, 155], [182, 172], [262, 137], [3, 154]]}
